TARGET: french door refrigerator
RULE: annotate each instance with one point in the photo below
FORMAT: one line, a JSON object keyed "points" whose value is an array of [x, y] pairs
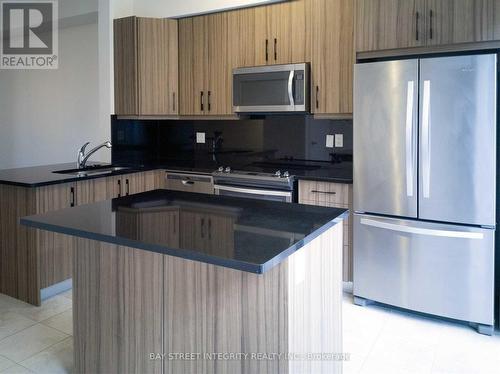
{"points": [[424, 185]]}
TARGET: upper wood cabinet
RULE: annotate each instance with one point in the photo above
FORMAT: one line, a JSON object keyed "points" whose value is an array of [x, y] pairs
{"points": [[146, 66], [391, 24], [462, 21], [330, 39], [204, 65], [280, 33]]}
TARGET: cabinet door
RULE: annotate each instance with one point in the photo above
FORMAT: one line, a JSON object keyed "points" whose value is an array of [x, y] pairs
{"points": [[287, 27], [262, 42], [330, 30], [242, 38], [172, 47], [193, 56], [146, 63], [142, 182], [125, 66], [152, 67], [95, 190], [462, 21], [218, 87], [389, 24], [54, 250]]}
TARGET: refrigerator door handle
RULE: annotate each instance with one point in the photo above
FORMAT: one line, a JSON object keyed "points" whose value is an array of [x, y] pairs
{"points": [[421, 231], [410, 161], [426, 139]]}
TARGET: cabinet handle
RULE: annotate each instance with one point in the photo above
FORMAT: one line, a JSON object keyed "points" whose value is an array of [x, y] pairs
{"points": [[201, 101], [127, 184], [417, 19], [186, 182], [175, 224], [72, 197], [203, 227], [119, 188], [317, 97], [431, 30], [209, 228], [275, 49], [324, 192], [209, 104], [267, 50], [173, 101]]}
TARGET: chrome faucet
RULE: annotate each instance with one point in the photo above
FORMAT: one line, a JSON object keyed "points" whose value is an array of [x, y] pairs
{"points": [[83, 158]]}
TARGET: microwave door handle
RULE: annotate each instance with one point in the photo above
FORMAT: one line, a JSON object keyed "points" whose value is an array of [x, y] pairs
{"points": [[290, 87]]}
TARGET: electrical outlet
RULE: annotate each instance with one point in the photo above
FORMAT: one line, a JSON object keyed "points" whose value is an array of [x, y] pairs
{"points": [[329, 141], [339, 140], [200, 137]]}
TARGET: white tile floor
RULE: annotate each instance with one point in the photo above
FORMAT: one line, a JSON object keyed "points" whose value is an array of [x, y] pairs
{"points": [[379, 340]]}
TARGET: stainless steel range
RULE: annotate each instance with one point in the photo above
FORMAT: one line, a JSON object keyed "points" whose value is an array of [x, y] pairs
{"points": [[277, 186]]}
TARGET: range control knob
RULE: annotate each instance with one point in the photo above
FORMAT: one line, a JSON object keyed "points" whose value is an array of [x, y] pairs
{"points": [[278, 174], [286, 174], [227, 170], [221, 169]]}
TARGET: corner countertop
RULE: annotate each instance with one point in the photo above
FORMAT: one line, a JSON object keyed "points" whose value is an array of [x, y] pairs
{"points": [[37, 176], [243, 234]]}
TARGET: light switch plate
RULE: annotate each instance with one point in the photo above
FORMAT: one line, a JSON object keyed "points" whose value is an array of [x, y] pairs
{"points": [[339, 140], [200, 137], [329, 141]]}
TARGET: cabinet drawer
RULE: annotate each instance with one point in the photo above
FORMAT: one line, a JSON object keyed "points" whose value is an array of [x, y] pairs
{"points": [[190, 183], [324, 194]]}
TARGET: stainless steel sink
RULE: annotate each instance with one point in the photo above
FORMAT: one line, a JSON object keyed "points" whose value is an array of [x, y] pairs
{"points": [[92, 170]]}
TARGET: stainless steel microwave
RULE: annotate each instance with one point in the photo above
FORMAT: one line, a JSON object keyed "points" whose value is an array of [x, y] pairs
{"points": [[272, 88]]}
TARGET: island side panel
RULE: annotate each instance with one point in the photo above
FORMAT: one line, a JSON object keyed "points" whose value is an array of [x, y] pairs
{"points": [[296, 307], [19, 272], [117, 306], [315, 302]]}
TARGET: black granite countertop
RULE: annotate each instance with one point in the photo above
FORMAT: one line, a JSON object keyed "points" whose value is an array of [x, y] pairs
{"points": [[37, 176], [243, 234]]}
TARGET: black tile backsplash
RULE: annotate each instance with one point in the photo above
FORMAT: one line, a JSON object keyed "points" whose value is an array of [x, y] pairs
{"points": [[274, 137]]}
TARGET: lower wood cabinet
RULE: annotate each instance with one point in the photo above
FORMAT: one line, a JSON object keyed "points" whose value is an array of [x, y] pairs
{"points": [[336, 195], [32, 260]]}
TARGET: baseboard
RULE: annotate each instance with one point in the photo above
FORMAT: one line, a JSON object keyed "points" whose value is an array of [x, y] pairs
{"points": [[55, 289]]}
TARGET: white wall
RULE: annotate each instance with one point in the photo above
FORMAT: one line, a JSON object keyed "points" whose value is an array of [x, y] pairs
{"points": [[45, 115]]}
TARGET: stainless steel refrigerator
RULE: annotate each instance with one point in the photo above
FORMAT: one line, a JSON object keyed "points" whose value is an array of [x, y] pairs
{"points": [[424, 185]]}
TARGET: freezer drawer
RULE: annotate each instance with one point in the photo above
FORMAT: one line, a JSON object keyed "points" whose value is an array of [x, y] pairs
{"points": [[445, 270]]}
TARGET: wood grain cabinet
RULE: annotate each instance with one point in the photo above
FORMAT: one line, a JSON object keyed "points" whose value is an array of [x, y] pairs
{"points": [[330, 41], [205, 82], [33, 260], [392, 24], [146, 66], [336, 195], [280, 33]]}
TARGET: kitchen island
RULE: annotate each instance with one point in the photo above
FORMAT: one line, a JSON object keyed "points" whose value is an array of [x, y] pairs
{"points": [[173, 282]]}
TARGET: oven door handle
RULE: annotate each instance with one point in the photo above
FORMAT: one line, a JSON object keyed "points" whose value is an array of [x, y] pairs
{"points": [[253, 191]]}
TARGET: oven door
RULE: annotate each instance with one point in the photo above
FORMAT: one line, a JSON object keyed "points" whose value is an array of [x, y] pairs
{"points": [[277, 88], [253, 193]]}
